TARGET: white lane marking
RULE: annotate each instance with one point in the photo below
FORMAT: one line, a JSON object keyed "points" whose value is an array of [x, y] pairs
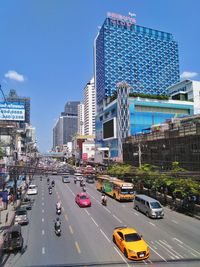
{"points": [[42, 210], [42, 203], [87, 212], [94, 222], [174, 221], [144, 262], [152, 223], [149, 261], [71, 191], [42, 219], [136, 214], [158, 254], [42, 198], [121, 256], [117, 218], [186, 245], [169, 251], [105, 235], [43, 250], [107, 210], [42, 232], [170, 247]]}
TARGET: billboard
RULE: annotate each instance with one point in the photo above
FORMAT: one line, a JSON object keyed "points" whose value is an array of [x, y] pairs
{"points": [[12, 111], [109, 129]]}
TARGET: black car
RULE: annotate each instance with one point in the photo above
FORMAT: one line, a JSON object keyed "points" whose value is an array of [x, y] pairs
{"points": [[12, 239], [90, 179]]}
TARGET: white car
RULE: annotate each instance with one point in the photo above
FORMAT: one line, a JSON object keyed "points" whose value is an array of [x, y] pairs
{"points": [[32, 190]]}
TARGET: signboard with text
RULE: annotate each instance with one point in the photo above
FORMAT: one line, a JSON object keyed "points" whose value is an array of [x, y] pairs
{"points": [[12, 111]]}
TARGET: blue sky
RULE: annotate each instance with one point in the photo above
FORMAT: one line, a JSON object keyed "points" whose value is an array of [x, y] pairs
{"points": [[46, 47]]}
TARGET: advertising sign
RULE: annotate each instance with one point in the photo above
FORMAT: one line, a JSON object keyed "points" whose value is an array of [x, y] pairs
{"points": [[12, 111], [84, 156]]}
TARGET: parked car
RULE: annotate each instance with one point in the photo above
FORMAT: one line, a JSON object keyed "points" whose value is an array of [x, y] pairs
{"points": [[32, 189], [21, 216], [130, 243], [149, 206], [12, 239], [83, 200]]}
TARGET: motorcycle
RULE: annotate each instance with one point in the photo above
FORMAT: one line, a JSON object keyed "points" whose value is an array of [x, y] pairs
{"points": [[50, 191], [104, 202], [40, 178], [75, 181], [84, 189], [57, 230], [58, 211]]}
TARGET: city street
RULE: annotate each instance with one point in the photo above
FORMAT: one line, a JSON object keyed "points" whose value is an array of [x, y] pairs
{"points": [[86, 238]]}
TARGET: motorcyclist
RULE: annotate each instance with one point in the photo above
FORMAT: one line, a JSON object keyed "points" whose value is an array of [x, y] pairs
{"points": [[52, 183], [75, 180], [48, 180], [84, 188], [50, 189], [57, 223], [103, 199], [58, 205]]}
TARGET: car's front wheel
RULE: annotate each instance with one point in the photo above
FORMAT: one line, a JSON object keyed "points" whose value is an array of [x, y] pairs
{"points": [[114, 240], [125, 253]]}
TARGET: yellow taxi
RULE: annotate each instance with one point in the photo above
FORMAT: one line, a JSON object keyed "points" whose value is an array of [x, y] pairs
{"points": [[130, 243]]}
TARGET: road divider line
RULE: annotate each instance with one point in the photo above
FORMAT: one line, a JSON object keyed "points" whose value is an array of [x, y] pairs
{"points": [[71, 190], [121, 257], [158, 254], [87, 212], [117, 218], [152, 224], [71, 230], [105, 235], [170, 247], [42, 232], [42, 219], [66, 217], [145, 262], [77, 247], [107, 210], [42, 203], [94, 222], [43, 250], [174, 221], [42, 210], [136, 214], [173, 255]]}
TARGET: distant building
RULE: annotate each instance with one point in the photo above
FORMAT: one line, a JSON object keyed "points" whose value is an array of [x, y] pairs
{"points": [[67, 125], [80, 119], [90, 108], [186, 90]]}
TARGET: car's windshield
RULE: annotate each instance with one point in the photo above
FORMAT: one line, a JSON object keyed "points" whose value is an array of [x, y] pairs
{"points": [[155, 205], [132, 237], [127, 191], [32, 187], [21, 212], [83, 197], [15, 234]]}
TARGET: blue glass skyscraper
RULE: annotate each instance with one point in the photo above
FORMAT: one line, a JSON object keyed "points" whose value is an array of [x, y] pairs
{"points": [[144, 58]]}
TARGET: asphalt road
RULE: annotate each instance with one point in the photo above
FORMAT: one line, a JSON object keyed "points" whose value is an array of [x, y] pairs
{"points": [[86, 238]]}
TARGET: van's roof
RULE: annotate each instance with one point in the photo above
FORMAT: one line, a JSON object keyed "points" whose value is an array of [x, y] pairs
{"points": [[147, 198]]}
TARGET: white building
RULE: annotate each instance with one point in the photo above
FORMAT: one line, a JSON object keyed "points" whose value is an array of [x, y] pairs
{"points": [[187, 90], [90, 108], [81, 119]]}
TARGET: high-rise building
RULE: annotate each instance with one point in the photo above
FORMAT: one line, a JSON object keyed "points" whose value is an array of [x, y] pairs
{"points": [[81, 119], [90, 108], [66, 126], [144, 58]]}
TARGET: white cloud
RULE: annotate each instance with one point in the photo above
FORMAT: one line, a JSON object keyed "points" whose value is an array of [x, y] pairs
{"points": [[188, 75], [13, 75]]}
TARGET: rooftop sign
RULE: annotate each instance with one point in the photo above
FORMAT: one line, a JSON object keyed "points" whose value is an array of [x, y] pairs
{"points": [[129, 20]]}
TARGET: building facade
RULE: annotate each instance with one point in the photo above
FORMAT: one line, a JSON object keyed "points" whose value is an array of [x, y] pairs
{"points": [[187, 90], [90, 108], [80, 119], [126, 116], [67, 125], [144, 58]]}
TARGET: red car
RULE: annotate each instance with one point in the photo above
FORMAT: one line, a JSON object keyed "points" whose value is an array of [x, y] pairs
{"points": [[83, 200]]}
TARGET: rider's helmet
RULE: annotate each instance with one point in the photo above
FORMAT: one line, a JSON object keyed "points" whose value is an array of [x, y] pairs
{"points": [[57, 219]]}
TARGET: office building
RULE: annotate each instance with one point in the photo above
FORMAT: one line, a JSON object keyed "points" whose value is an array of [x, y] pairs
{"points": [[144, 58], [90, 108], [67, 125]]}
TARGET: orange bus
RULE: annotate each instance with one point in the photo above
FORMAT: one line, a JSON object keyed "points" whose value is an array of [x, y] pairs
{"points": [[115, 187]]}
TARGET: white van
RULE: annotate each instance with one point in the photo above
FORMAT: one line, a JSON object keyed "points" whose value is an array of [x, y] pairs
{"points": [[149, 206]]}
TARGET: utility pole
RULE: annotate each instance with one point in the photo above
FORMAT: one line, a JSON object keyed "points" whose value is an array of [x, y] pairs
{"points": [[139, 155]]}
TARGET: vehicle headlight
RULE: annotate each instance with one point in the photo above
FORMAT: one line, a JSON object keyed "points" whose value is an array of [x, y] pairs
{"points": [[131, 251]]}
